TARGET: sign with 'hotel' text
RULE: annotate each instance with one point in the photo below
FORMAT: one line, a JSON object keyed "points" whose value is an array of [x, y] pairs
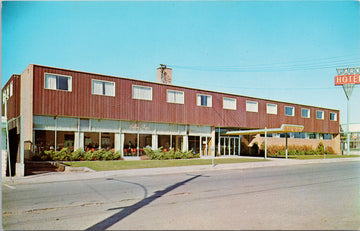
{"points": [[347, 79]]}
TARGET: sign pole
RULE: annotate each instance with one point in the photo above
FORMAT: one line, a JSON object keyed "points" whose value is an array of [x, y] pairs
{"points": [[348, 78]]}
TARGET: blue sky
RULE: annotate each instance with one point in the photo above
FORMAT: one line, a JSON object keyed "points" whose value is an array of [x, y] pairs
{"points": [[284, 50]]}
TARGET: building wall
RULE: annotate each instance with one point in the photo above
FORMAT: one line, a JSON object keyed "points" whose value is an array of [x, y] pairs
{"points": [[13, 104], [81, 103], [334, 143]]}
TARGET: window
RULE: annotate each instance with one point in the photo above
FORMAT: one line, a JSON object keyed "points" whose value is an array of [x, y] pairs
{"points": [[103, 88], [229, 103], [175, 96], [11, 88], [299, 135], [204, 100], [289, 111], [305, 113], [320, 115], [58, 82], [252, 106], [141, 92], [271, 109], [333, 116]]}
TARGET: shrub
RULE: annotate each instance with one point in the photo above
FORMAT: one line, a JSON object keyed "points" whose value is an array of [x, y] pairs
{"points": [[320, 148], [77, 155], [159, 154]]}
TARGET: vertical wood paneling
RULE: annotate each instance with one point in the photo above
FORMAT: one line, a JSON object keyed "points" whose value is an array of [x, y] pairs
{"points": [[82, 103]]}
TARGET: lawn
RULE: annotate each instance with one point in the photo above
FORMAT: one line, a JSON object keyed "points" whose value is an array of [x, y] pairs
{"points": [[134, 164]]}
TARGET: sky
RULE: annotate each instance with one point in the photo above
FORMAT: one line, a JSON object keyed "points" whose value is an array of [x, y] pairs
{"points": [[279, 50]]}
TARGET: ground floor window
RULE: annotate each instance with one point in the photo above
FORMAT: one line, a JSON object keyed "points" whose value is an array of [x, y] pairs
{"points": [[177, 142], [164, 141], [133, 142], [91, 141], [51, 140], [194, 144], [65, 140], [44, 140]]}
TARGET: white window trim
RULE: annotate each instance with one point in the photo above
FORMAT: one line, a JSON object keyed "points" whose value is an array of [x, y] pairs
{"points": [[99, 80], [267, 112], [68, 76], [200, 102], [234, 109], [11, 88], [323, 115], [257, 104], [292, 110], [167, 90], [132, 92], [308, 117], [334, 114]]}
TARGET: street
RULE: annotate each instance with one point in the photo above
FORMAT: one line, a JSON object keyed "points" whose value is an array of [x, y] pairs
{"points": [[306, 196]]}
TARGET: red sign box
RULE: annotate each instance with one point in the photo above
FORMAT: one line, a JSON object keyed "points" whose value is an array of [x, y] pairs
{"points": [[347, 79]]}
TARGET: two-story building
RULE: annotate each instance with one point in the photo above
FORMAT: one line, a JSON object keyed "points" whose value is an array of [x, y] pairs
{"points": [[52, 108]]}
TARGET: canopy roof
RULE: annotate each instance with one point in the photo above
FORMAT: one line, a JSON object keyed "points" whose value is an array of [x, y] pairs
{"points": [[285, 128]]}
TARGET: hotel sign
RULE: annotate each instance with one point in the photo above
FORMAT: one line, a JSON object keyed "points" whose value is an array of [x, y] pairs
{"points": [[347, 76], [347, 79]]}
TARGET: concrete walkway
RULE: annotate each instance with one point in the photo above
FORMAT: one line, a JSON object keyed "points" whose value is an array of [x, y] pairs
{"points": [[79, 175]]}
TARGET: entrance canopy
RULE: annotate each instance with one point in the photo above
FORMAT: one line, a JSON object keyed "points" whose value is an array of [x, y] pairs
{"points": [[285, 128]]}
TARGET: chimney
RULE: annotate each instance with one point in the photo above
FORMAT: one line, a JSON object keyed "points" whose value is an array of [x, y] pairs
{"points": [[164, 74]]}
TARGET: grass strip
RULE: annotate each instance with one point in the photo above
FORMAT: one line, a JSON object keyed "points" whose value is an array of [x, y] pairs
{"points": [[136, 164]]}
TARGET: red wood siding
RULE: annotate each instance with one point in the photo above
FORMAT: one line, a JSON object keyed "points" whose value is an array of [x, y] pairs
{"points": [[13, 107], [81, 103]]}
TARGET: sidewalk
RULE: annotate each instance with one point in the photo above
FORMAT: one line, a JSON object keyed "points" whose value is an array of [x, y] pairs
{"points": [[71, 176]]}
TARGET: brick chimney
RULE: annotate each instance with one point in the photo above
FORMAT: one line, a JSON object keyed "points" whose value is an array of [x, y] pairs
{"points": [[164, 74]]}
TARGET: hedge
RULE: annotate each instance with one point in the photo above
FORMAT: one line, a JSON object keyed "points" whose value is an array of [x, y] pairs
{"points": [[279, 150], [65, 155], [160, 154]]}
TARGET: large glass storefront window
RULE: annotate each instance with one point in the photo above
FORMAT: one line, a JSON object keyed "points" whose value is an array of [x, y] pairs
{"points": [[194, 144], [44, 140], [91, 141], [107, 141], [65, 140], [164, 141]]}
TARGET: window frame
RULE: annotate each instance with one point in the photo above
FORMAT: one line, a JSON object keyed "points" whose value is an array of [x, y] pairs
{"points": [[11, 93], [251, 101], [167, 96], [308, 117], [335, 117], [141, 86], [293, 114], [200, 94], [56, 89], [103, 81], [267, 111], [323, 115], [234, 100]]}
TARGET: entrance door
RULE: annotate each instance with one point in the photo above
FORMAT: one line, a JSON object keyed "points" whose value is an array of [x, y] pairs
{"points": [[229, 145], [205, 146]]}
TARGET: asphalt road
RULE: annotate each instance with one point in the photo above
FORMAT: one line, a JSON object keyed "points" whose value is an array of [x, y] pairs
{"points": [[311, 196]]}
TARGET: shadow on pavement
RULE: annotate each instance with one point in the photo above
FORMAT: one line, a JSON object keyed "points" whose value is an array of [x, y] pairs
{"points": [[102, 225]]}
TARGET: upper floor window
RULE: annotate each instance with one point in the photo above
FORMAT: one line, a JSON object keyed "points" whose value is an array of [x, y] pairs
{"points": [[333, 116], [320, 115], [271, 108], [252, 106], [305, 113], [141, 92], [175, 96], [289, 111], [229, 103], [11, 88], [204, 100], [58, 82], [100, 87]]}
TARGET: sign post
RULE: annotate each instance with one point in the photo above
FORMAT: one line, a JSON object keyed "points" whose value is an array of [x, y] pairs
{"points": [[348, 77]]}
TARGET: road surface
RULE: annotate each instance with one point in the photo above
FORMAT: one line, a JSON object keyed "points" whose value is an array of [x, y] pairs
{"points": [[309, 196]]}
